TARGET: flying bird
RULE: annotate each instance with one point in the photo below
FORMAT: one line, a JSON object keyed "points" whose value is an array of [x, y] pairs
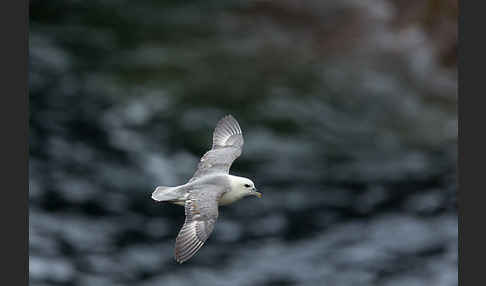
{"points": [[210, 187]]}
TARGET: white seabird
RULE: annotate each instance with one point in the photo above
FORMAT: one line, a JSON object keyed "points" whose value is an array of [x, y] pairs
{"points": [[211, 186]]}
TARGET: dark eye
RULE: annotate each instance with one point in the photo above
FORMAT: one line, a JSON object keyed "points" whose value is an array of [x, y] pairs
{"points": [[247, 185]]}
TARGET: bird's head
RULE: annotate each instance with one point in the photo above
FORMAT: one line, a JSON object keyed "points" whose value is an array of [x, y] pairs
{"points": [[245, 186]]}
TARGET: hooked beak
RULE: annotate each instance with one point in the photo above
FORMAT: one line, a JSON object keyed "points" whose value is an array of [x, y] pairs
{"points": [[257, 194]]}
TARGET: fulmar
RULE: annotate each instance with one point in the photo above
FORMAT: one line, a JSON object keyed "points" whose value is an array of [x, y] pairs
{"points": [[210, 187]]}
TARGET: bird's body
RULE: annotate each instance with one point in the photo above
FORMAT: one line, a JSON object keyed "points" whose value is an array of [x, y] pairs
{"points": [[210, 187], [178, 195]]}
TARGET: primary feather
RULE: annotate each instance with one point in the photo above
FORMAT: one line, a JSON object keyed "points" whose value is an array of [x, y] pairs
{"points": [[227, 146]]}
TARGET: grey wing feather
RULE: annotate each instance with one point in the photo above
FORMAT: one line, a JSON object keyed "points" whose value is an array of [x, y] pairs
{"points": [[201, 214], [227, 145]]}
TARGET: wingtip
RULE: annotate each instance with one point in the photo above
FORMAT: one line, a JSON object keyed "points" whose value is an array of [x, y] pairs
{"points": [[179, 261], [225, 128], [177, 258], [229, 116]]}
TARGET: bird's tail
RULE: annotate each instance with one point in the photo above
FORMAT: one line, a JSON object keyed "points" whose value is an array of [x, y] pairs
{"points": [[163, 193], [160, 192]]}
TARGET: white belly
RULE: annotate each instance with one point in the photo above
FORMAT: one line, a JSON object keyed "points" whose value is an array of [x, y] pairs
{"points": [[226, 198], [230, 197]]}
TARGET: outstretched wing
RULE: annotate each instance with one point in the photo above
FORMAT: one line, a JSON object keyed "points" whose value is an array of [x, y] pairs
{"points": [[201, 214], [227, 145]]}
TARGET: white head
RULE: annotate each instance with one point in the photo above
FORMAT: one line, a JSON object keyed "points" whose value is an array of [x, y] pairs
{"points": [[243, 186]]}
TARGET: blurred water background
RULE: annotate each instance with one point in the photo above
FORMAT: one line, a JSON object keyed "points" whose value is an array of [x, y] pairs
{"points": [[348, 108]]}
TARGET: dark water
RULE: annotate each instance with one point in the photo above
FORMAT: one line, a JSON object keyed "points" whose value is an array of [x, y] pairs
{"points": [[349, 114]]}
